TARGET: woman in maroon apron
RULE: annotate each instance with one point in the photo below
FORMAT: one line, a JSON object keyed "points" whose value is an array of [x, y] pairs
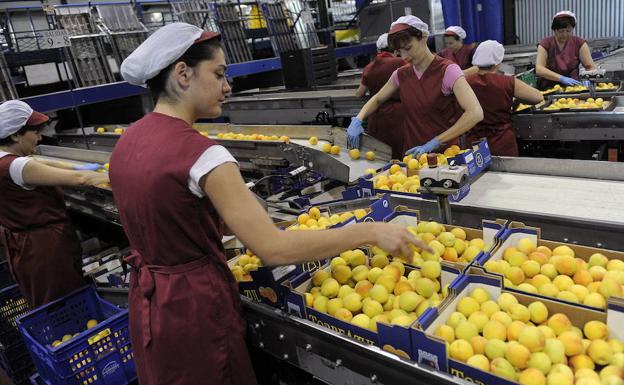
{"points": [[456, 51], [384, 122], [495, 92], [438, 102], [559, 56], [40, 242], [176, 190]]}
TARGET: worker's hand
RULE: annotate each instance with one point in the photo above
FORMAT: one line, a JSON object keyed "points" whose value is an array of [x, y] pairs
{"points": [[569, 81], [396, 239], [353, 133], [98, 179], [88, 167], [425, 148]]}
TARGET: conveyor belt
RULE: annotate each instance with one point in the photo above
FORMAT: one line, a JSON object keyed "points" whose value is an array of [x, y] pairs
{"points": [[334, 93], [572, 198], [357, 168], [293, 107], [573, 126]]}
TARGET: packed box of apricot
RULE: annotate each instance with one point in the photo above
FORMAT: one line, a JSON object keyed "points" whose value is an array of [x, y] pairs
{"points": [[371, 299], [262, 283], [452, 245], [572, 273], [488, 335], [401, 178]]}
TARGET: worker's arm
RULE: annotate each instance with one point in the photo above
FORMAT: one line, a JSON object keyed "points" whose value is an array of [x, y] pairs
{"points": [[473, 113], [243, 214], [540, 66], [586, 58], [378, 99], [36, 173], [471, 71], [526, 93], [56, 164], [361, 91]]}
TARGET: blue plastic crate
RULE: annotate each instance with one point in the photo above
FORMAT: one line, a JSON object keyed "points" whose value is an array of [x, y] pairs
{"points": [[36, 379], [100, 355], [12, 305]]}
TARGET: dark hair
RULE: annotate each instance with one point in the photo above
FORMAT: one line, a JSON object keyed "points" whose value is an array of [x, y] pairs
{"points": [[562, 22], [197, 53], [454, 36], [8, 141], [487, 68], [399, 39]]}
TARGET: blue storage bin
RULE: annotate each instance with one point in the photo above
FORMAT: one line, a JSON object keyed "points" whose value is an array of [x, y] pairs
{"points": [[100, 355]]}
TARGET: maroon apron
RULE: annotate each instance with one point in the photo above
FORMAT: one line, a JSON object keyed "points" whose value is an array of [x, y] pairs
{"points": [[428, 111], [185, 314], [385, 124], [41, 245], [463, 57], [495, 93], [562, 61]]}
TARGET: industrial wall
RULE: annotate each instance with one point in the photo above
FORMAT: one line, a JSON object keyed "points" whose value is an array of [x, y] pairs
{"points": [[595, 18]]}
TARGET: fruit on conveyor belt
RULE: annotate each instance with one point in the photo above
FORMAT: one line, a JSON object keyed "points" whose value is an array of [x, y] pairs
{"points": [[574, 103]]}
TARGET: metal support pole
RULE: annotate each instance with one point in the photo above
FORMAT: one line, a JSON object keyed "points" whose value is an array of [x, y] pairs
{"points": [[444, 207]]}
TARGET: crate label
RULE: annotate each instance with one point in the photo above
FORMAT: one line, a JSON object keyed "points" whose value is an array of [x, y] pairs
{"points": [[110, 368], [280, 272], [103, 334]]}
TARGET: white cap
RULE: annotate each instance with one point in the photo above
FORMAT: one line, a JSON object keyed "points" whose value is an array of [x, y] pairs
{"points": [[161, 49], [488, 53], [403, 22], [565, 13], [15, 114], [382, 42], [455, 30]]}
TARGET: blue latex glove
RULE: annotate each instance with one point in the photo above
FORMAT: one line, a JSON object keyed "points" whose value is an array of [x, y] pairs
{"points": [[425, 148], [569, 81], [88, 167], [353, 133]]}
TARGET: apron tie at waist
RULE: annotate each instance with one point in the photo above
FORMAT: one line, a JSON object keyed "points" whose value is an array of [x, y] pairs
{"points": [[147, 284]]}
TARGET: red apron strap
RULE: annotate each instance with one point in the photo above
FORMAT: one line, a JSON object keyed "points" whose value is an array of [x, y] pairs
{"points": [[147, 285]]}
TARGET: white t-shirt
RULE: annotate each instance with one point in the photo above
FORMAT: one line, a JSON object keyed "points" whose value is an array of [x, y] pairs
{"points": [[16, 168], [211, 158]]}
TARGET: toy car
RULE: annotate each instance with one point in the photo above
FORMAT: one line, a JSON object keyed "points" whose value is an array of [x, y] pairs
{"points": [[446, 176]]}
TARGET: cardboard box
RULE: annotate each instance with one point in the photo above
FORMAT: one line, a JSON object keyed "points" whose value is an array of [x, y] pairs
{"points": [[431, 350], [489, 233], [393, 338], [376, 212], [517, 231], [477, 160], [367, 186], [266, 284]]}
